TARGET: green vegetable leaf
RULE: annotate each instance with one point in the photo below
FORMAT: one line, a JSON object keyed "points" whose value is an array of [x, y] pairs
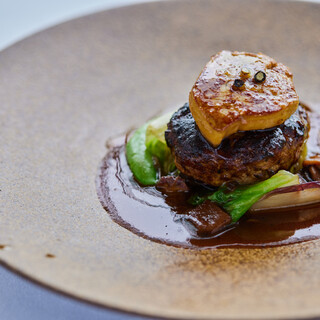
{"points": [[156, 143], [140, 159], [239, 201]]}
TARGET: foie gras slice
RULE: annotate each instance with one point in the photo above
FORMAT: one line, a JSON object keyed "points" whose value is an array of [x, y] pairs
{"points": [[240, 91]]}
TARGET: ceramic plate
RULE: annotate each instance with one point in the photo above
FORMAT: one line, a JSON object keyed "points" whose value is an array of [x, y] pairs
{"points": [[66, 90]]}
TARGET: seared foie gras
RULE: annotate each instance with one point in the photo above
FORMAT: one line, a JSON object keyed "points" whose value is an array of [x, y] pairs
{"points": [[239, 91]]}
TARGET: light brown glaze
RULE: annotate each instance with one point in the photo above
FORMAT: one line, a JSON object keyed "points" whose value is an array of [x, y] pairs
{"points": [[220, 109]]}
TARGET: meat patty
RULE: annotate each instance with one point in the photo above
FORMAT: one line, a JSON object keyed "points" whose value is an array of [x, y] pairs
{"points": [[245, 157]]}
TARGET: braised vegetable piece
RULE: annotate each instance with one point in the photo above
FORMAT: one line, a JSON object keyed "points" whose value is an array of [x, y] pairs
{"points": [[315, 172], [156, 143], [239, 201], [140, 159], [312, 160], [148, 142], [171, 184], [288, 197], [205, 220]]}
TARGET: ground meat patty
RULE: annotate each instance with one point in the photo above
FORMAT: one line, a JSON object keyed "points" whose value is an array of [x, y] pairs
{"points": [[245, 157]]}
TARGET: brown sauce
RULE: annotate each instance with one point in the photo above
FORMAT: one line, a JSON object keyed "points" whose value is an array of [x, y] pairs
{"points": [[155, 216]]}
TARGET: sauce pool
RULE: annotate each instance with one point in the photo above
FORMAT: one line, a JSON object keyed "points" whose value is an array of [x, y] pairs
{"points": [[152, 215]]}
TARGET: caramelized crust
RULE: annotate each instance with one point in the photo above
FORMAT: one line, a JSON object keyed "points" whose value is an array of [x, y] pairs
{"points": [[245, 157], [221, 109]]}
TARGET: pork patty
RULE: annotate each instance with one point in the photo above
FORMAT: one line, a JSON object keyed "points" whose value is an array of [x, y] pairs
{"points": [[244, 157]]}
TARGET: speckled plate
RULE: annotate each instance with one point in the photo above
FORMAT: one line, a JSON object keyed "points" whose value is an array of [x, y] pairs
{"points": [[64, 91]]}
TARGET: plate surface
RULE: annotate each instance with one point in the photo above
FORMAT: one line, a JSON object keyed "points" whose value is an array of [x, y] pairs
{"points": [[66, 90]]}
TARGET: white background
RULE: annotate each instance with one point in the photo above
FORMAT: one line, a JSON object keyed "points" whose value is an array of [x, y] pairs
{"points": [[20, 18]]}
